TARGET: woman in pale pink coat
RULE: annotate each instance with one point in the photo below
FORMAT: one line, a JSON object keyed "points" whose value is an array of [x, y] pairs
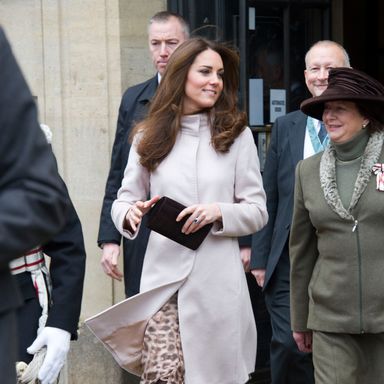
{"points": [[192, 321]]}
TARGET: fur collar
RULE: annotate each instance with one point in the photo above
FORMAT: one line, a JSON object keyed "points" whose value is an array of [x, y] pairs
{"points": [[328, 175]]}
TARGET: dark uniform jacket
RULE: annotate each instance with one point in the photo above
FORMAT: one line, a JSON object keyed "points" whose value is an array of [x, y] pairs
{"points": [[67, 268], [32, 200]]}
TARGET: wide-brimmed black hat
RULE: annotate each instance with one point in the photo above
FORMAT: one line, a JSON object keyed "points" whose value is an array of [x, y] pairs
{"points": [[352, 85]]}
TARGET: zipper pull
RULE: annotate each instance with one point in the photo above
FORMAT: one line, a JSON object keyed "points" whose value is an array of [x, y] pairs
{"points": [[355, 226]]}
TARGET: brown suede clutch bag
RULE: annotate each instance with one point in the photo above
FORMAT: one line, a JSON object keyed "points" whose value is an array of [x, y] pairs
{"points": [[162, 219]]}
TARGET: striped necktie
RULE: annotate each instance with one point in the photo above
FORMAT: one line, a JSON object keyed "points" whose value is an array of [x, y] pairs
{"points": [[322, 132]]}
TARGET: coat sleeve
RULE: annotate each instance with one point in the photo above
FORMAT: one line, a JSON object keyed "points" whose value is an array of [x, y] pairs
{"points": [[107, 230], [303, 255], [248, 212], [134, 187], [67, 269], [32, 202], [261, 241]]}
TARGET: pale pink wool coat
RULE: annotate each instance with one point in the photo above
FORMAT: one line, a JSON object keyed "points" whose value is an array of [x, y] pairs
{"points": [[217, 325]]}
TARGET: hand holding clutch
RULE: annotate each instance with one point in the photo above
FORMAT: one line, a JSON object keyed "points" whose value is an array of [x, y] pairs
{"points": [[162, 219], [136, 212]]}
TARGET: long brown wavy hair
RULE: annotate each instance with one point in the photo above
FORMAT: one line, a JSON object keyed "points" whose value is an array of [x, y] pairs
{"points": [[160, 128]]}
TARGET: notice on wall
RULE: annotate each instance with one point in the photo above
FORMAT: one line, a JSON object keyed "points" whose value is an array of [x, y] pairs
{"points": [[277, 104], [252, 18], [256, 110]]}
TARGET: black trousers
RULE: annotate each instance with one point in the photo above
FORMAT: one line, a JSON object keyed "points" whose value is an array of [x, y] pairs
{"points": [[8, 347], [263, 323], [27, 324], [288, 364], [27, 316]]}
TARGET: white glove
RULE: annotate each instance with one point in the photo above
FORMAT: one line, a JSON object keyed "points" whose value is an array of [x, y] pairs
{"points": [[57, 342]]}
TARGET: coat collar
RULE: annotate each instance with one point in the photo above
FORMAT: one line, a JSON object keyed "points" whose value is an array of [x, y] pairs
{"points": [[328, 175]]}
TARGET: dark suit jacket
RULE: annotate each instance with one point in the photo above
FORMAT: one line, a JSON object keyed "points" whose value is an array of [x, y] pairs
{"points": [[32, 201], [285, 150], [133, 108]]}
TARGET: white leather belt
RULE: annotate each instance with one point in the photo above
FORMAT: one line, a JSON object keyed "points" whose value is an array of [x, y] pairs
{"points": [[30, 262]]}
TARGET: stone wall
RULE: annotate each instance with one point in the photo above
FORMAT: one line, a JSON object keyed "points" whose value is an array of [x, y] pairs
{"points": [[90, 363]]}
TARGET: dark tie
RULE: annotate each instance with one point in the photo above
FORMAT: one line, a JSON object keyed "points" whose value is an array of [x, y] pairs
{"points": [[322, 132]]}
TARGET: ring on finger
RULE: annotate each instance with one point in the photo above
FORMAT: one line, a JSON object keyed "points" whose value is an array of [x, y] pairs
{"points": [[196, 220]]}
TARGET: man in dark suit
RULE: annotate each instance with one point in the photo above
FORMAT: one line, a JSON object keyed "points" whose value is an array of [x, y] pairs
{"points": [[166, 32], [33, 203], [293, 137]]}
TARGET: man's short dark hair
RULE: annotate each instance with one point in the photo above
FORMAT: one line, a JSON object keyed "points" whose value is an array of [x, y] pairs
{"points": [[164, 16]]}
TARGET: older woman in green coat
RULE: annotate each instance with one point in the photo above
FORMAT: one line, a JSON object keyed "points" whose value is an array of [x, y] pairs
{"points": [[337, 242]]}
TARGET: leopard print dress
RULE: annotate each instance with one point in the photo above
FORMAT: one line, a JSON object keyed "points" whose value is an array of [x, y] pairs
{"points": [[162, 356]]}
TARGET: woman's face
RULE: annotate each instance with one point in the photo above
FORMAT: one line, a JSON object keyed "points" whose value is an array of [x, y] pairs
{"points": [[342, 120], [204, 82]]}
